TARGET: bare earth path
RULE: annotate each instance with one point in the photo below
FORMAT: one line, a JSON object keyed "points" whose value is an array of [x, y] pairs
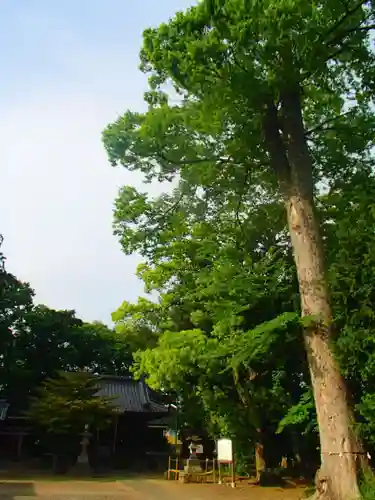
{"points": [[170, 490], [138, 489]]}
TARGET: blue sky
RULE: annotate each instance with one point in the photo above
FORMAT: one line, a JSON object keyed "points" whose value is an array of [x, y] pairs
{"points": [[68, 69]]}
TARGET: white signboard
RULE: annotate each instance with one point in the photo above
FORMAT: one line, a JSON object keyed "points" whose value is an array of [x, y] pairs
{"points": [[224, 450]]}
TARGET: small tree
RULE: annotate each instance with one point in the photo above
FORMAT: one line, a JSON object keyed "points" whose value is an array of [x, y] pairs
{"points": [[64, 405]]}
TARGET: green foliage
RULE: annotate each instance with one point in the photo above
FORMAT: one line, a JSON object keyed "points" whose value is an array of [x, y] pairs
{"points": [[214, 326], [350, 210], [15, 301], [2, 256], [224, 333], [301, 413], [37, 342], [135, 323], [227, 59], [368, 487], [64, 405], [48, 341]]}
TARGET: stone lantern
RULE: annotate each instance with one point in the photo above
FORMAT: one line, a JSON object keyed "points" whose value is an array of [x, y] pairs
{"points": [[82, 466]]}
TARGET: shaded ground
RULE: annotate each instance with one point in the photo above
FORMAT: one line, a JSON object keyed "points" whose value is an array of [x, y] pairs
{"points": [[138, 489], [171, 490]]}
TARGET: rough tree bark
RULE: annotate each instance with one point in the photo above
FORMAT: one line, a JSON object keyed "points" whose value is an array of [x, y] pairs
{"points": [[260, 461], [284, 133]]}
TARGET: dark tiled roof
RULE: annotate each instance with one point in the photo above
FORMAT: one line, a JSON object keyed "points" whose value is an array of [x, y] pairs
{"points": [[129, 395]]}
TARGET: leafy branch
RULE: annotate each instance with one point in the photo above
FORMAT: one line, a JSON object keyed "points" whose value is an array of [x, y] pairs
{"points": [[343, 19], [192, 161], [321, 126]]}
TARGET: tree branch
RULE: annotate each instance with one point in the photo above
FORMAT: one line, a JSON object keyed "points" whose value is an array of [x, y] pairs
{"points": [[345, 17], [192, 161], [2, 258], [321, 125], [242, 194], [274, 144], [345, 4], [339, 51], [169, 210], [174, 206], [242, 393], [340, 38]]}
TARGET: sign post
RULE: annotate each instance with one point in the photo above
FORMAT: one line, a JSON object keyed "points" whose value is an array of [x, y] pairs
{"points": [[225, 456], [3, 409]]}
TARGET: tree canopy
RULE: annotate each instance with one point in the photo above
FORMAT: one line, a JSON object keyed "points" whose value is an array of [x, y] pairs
{"points": [[37, 343], [269, 141], [67, 403]]}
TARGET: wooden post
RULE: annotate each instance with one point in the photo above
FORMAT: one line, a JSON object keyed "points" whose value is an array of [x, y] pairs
{"points": [[115, 434], [233, 466], [214, 470], [19, 446], [233, 475], [169, 468]]}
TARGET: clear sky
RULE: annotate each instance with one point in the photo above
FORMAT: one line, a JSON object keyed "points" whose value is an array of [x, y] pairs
{"points": [[68, 68]]}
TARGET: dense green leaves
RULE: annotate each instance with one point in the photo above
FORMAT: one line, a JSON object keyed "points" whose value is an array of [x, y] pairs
{"points": [[37, 342], [224, 333], [210, 335], [67, 403], [15, 301]]}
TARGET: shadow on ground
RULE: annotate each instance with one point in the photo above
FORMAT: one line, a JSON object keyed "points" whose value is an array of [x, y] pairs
{"points": [[8, 491]]}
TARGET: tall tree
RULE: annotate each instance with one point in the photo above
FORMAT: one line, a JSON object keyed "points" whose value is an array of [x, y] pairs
{"points": [[258, 81], [16, 299], [208, 339], [67, 402], [48, 341]]}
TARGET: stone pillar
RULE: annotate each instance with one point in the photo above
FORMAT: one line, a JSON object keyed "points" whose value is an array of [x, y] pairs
{"points": [[82, 466], [193, 465]]}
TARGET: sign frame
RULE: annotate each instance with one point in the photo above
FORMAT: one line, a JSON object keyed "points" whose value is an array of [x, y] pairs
{"points": [[225, 451], [225, 455]]}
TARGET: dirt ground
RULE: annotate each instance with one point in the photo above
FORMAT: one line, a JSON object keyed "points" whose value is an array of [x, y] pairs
{"points": [[169, 490], [139, 489]]}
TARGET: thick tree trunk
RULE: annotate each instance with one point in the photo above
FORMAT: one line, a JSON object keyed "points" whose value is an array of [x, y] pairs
{"points": [[340, 450], [260, 462], [338, 474]]}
